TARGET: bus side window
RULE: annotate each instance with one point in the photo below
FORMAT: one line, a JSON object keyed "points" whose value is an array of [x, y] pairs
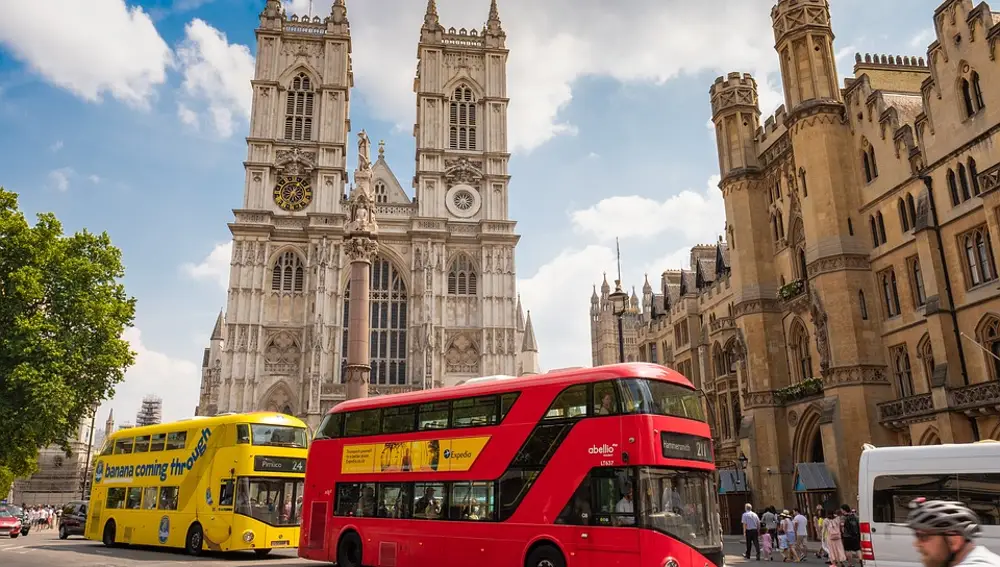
{"points": [[331, 426], [123, 446], [159, 442], [242, 434], [578, 511], [605, 399], [226, 493], [570, 403], [149, 499], [116, 498], [168, 498], [176, 440], [142, 444], [506, 402]]}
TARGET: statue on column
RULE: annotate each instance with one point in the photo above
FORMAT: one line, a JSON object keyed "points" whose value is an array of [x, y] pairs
{"points": [[364, 151]]}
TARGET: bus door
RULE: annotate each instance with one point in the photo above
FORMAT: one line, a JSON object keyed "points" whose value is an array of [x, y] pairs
{"points": [[608, 536], [220, 496]]}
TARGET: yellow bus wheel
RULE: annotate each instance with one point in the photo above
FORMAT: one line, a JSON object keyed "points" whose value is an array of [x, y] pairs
{"points": [[195, 540]]}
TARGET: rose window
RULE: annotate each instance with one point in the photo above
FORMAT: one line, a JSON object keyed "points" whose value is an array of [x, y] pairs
{"points": [[464, 200]]}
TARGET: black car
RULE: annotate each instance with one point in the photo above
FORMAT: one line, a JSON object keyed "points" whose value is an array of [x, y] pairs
{"points": [[74, 519]]}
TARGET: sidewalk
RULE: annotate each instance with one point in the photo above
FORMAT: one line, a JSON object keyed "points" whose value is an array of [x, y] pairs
{"points": [[738, 540]]}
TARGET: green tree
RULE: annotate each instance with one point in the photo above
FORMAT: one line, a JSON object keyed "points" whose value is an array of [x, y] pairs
{"points": [[62, 314]]}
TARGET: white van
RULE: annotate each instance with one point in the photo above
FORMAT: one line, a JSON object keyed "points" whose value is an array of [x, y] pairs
{"points": [[889, 477]]}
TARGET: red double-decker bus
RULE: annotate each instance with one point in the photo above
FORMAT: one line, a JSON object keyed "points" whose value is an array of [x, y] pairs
{"points": [[597, 467]]}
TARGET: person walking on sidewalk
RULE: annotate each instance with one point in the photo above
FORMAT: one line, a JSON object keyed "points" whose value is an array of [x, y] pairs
{"points": [[751, 530], [801, 525]]}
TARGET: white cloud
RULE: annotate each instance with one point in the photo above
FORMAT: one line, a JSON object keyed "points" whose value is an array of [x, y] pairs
{"points": [[59, 178], [176, 381], [217, 76], [56, 146], [187, 115], [558, 293], [923, 39], [89, 48], [95, 179], [215, 267], [643, 40], [692, 215]]}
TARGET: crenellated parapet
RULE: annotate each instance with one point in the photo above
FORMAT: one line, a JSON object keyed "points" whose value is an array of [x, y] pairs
{"points": [[735, 91], [773, 128], [882, 61], [790, 17]]}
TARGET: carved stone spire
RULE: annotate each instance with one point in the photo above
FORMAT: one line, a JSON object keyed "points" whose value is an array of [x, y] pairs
{"points": [[338, 12], [495, 35], [432, 30], [271, 13]]}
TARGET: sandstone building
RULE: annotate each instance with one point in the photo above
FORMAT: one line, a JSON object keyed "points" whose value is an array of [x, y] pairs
{"points": [[855, 299], [444, 303]]}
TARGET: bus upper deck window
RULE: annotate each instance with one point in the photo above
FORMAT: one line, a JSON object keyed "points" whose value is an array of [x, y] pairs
{"points": [[242, 433]]}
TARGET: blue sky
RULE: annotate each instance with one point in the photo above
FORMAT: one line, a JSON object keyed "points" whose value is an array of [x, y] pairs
{"points": [[130, 118]]}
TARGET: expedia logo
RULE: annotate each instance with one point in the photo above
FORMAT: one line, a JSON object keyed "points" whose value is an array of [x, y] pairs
{"points": [[99, 472], [603, 450], [449, 454]]}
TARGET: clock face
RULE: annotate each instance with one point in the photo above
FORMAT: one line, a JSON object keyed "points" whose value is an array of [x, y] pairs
{"points": [[293, 193]]}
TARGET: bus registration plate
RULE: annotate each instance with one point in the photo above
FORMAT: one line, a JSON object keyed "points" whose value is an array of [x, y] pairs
{"points": [[279, 542]]}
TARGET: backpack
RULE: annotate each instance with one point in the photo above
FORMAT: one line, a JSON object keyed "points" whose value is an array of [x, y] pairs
{"points": [[852, 530]]}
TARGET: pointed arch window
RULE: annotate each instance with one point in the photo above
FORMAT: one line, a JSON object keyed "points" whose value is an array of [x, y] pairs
{"points": [[881, 227], [874, 229], [911, 208], [917, 281], [972, 94], [901, 371], [864, 305], [925, 352], [462, 277], [299, 107], [288, 273], [869, 163], [979, 262], [904, 217], [963, 180], [953, 188], [802, 357], [989, 336], [890, 292], [381, 192], [462, 119], [977, 91], [388, 325], [974, 174]]}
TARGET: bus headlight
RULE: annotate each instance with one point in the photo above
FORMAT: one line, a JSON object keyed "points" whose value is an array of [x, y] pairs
{"points": [[670, 562], [248, 536]]}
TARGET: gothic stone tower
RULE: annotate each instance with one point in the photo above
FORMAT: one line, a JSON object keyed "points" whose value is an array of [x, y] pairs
{"points": [[443, 291]]}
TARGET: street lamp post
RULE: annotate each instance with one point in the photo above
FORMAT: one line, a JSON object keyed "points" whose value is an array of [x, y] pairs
{"points": [[90, 445], [741, 464], [619, 302]]}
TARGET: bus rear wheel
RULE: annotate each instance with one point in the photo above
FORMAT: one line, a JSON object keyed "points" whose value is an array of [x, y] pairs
{"points": [[545, 556], [349, 550], [195, 537], [108, 538]]}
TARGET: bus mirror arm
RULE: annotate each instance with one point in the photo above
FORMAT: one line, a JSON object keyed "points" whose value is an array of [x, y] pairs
{"points": [[625, 457]]}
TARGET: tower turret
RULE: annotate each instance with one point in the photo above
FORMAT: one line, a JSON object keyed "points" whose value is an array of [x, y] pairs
{"points": [[803, 36], [736, 115]]}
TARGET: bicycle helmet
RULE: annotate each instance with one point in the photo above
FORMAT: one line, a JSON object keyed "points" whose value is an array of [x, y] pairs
{"points": [[942, 517]]}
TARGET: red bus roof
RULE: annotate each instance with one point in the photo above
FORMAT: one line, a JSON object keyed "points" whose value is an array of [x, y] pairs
{"points": [[499, 386]]}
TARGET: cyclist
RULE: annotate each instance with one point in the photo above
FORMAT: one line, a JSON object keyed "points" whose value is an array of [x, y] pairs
{"points": [[944, 533]]}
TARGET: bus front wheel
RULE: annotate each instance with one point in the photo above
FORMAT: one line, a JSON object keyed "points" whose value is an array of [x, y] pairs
{"points": [[545, 556], [194, 540], [349, 550]]}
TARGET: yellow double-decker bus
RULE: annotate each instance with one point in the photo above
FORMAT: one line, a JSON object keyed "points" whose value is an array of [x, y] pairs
{"points": [[225, 483]]}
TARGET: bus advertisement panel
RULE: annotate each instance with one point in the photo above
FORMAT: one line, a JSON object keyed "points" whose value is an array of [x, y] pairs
{"points": [[601, 466], [224, 483]]}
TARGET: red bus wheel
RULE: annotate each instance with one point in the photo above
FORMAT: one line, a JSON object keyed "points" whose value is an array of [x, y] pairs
{"points": [[545, 556], [349, 550]]}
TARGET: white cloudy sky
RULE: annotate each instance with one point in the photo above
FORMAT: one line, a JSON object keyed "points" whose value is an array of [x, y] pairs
{"points": [[129, 117]]}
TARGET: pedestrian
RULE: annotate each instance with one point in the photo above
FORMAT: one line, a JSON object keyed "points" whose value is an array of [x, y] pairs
{"points": [[851, 535], [801, 524], [770, 520], [783, 544], [767, 545], [818, 524], [751, 527], [786, 525], [834, 539]]}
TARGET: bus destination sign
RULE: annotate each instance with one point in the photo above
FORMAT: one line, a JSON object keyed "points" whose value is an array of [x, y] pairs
{"points": [[279, 464], [683, 446]]}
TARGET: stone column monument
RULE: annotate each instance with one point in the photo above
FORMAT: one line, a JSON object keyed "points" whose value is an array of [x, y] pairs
{"points": [[361, 247]]}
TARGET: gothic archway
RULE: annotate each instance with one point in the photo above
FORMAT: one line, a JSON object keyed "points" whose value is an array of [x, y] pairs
{"points": [[930, 437], [279, 399], [808, 439], [389, 321], [988, 335], [462, 356]]}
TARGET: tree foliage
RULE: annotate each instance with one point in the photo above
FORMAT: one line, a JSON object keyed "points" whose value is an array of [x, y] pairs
{"points": [[62, 314]]}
